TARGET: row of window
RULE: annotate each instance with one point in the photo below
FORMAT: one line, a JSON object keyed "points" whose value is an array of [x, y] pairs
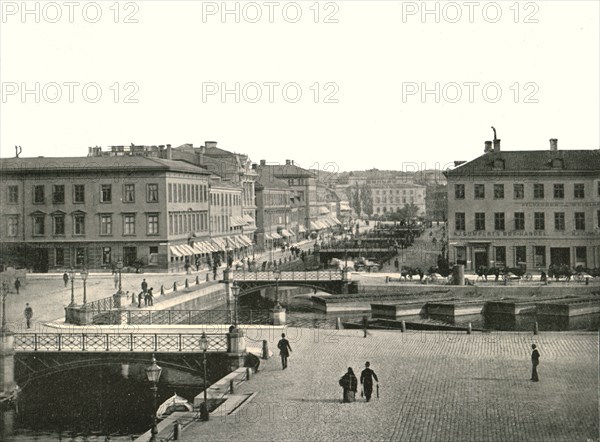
{"points": [[184, 222], [58, 193], [221, 223], [187, 193], [520, 255], [518, 221], [79, 256], [388, 209], [79, 224], [276, 198], [384, 200], [519, 191], [225, 199], [397, 191]]}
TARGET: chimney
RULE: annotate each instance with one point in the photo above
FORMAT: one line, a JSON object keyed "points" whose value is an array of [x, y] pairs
{"points": [[209, 144], [488, 147], [254, 166], [169, 152], [554, 144], [496, 145], [263, 162], [288, 162]]}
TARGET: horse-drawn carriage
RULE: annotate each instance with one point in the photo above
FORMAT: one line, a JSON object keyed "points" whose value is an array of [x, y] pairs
{"points": [[504, 273]]}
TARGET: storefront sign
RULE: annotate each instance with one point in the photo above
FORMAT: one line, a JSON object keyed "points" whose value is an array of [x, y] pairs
{"points": [[481, 233]]}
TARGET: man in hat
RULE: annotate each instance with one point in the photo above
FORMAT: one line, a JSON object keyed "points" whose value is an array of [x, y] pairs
{"points": [[284, 350], [366, 380]]}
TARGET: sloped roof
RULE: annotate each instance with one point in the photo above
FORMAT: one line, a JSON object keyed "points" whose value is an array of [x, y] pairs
{"points": [[530, 161], [268, 181], [95, 164], [285, 171]]}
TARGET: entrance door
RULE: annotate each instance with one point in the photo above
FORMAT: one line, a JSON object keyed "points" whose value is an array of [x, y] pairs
{"points": [[481, 259], [40, 260], [560, 256]]}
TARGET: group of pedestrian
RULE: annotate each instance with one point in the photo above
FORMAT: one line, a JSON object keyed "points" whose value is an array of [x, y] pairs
{"points": [[349, 383], [146, 294]]}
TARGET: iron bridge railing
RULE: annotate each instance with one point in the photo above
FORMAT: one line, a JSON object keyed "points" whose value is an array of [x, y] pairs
{"points": [[101, 305], [117, 342], [193, 317], [284, 276]]}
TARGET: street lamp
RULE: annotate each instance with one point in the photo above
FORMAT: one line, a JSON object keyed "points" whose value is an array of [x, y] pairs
{"points": [[204, 415], [153, 374], [236, 293], [84, 275], [120, 268], [277, 275], [72, 276]]}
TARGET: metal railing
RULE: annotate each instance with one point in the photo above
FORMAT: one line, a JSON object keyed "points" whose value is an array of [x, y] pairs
{"points": [[101, 305], [315, 275], [117, 342], [192, 317]]}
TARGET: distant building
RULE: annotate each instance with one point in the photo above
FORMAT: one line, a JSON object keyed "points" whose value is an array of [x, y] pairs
{"points": [[531, 208]]}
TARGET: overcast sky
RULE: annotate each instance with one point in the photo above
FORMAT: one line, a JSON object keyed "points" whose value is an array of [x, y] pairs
{"points": [[344, 93]]}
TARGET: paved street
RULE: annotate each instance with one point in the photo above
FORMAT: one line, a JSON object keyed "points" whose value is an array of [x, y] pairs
{"points": [[434, 387]]}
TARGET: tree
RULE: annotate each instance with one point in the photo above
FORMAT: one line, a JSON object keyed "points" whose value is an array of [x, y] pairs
{"points": [[356, 200], [367, 199]]}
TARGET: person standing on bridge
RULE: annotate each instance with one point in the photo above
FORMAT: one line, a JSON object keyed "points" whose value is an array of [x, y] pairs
{"points": [[284, 350], [28, 314], [366, 380]]}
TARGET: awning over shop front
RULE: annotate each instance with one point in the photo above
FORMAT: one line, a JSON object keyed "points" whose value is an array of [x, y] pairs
{"points": [[315, 226], [336, 221], [186, 250], [245, 240], [198, 249], [276, 235], [237, 221], [175, 251], [285, 233], [301, 229], [219, 243], [248, 219]]}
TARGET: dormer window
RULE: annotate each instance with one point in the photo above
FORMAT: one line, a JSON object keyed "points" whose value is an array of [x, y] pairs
{"points": [[557, 163], [498, 164]]}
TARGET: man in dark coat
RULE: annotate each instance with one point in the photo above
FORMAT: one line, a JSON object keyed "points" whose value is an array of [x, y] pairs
{"points": [[349, 383], [17, 285], [28, 314], [535, 361], [284, 350], [65, 278], [366, 380]]}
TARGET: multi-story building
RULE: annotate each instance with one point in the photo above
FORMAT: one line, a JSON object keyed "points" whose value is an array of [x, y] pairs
{"points": [[274, 215], [532, 208], [391, 196], [226, 220], [234, 168], [94, 211]]}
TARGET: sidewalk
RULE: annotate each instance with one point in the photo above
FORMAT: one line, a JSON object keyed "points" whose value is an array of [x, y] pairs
{"points": [[434, 387]]}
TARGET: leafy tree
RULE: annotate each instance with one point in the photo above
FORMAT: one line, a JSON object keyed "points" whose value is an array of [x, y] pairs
{"points": [[356, 200], [367, 199]]}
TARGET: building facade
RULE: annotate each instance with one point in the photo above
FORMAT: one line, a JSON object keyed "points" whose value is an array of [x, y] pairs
{"points": [[525, 208], [94, 211]]}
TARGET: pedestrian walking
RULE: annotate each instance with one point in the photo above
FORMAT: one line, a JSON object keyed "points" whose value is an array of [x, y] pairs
{"points": [[140, 297], [144, 286], [366, 380], [17, 285], [284, 350], [349, 383], [535, 361], [28, 314], [116, 279], [365, 322], [65, 278]]}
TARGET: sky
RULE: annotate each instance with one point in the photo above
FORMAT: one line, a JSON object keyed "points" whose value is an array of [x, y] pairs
{"points": [[339, 86]]}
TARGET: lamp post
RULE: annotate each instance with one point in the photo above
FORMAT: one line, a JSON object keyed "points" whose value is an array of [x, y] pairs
{"points": [[153, 374], [204, 415], [236, 293], [72, 276], [120, 269], [4, 288], [277, 275], [84, 276]]}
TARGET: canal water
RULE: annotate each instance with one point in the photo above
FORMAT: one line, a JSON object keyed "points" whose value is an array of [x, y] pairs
{"points": [[94, 402]]}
